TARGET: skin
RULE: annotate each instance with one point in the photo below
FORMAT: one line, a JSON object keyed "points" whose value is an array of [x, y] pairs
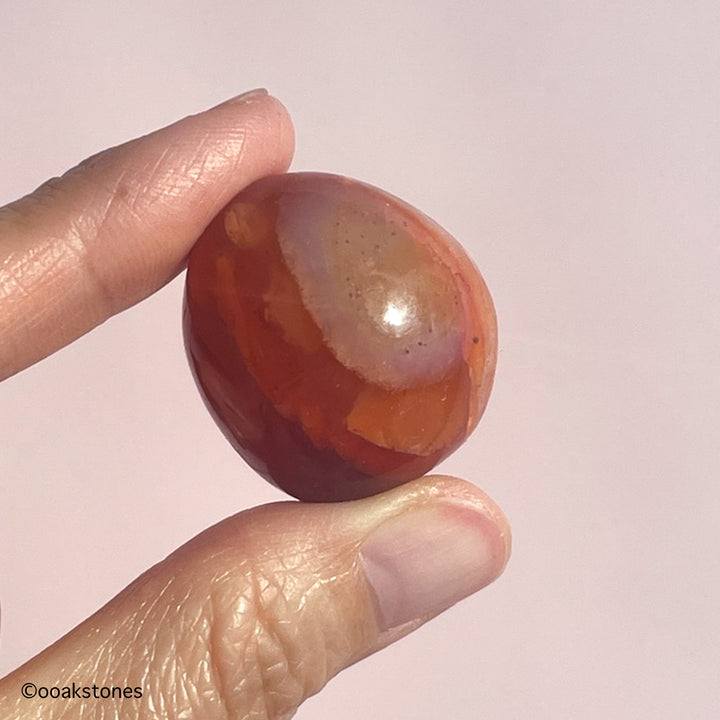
{"points": [[257, 613]]}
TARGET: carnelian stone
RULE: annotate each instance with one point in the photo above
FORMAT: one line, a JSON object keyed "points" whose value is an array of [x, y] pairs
{"points": [[342, 340]]}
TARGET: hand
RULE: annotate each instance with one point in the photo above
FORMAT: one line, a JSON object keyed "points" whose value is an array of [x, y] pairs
{"points": [[257, 613]]}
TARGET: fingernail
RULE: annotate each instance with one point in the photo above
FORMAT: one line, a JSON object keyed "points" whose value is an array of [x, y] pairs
{"points": [[426, 559], [244, 97]]}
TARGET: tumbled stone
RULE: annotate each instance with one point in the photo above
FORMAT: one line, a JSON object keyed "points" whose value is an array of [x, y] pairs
{"points": [[342, 340]]}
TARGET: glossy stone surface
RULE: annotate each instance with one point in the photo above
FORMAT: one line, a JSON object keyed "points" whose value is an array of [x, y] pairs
{"points": [[343, 341]]}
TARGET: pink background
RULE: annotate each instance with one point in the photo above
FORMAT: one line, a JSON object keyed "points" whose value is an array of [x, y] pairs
{"points": [[574, 148]]}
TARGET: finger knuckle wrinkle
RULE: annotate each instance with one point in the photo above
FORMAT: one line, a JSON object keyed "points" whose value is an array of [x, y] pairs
{"points": [[258, 656]]}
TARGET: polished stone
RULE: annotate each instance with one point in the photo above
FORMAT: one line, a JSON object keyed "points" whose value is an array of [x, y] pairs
{"points": [[343, 341]]}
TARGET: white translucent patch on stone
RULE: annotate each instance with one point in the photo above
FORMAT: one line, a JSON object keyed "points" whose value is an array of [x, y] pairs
{"points": [[386, 311]]}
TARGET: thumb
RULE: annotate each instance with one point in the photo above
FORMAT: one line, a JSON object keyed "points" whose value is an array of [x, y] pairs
{"points": [[259, 612]]}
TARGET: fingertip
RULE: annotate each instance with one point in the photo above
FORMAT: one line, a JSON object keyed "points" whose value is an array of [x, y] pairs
{"points": [[465, 491], [286, 131], [266, 118], [119, 226], [438, 540], [282, 137], [450, 489]]}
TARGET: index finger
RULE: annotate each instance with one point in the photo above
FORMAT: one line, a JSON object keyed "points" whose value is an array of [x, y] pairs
{"points": [[117, 227]]}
